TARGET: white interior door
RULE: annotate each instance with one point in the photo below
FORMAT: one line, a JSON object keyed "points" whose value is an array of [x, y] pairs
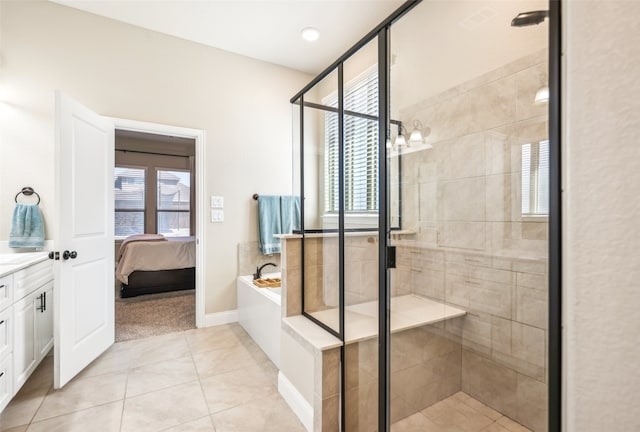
{"points": [[84, 283]]}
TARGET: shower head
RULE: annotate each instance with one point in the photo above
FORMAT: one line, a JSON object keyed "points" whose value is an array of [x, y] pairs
{"points": [[529, 18]]}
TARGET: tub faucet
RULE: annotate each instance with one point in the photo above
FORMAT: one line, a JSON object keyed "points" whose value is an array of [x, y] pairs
{"points": [[258, 273]]}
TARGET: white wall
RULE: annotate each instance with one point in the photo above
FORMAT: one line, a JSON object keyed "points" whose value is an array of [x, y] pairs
{"points": [[123, 71], [602, 215]]}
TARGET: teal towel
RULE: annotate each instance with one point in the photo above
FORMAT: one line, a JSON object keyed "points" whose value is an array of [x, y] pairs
{"points": [[27, 228], [269, 223], [290, 213]]}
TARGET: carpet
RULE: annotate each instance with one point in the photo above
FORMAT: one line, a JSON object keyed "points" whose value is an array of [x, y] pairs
{"points": [[155, 314]]}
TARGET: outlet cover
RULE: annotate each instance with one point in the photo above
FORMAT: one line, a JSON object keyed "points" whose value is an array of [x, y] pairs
{"points": [[217, 215]]}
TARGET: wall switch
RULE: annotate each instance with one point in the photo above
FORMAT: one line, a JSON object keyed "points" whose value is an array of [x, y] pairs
{"points": [[217, 202], [217, 215]]}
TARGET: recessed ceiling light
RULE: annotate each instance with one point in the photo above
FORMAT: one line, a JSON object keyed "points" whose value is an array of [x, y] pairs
{"points": [[310, 34]]}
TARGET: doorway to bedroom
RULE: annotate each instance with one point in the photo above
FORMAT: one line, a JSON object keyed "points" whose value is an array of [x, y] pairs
{"points": [[155, 243]]}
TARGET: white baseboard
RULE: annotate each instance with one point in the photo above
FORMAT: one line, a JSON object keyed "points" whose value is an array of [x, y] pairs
{"points": [[298, 404], [220, 318]]}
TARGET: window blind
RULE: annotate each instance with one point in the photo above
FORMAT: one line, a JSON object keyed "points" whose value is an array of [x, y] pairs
{"points": [[360, 149], [535, 178]]}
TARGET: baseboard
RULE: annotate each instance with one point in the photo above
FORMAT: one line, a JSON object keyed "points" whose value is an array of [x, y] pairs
{"points": [[220, 318], [298, 404]]}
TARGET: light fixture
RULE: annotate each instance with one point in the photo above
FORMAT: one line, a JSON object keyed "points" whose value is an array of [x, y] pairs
{"points": [[310, 34], [542, 96], [400, 140]]}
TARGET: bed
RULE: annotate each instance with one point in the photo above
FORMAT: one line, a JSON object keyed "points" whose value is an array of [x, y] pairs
{"points": [[152, 263]]}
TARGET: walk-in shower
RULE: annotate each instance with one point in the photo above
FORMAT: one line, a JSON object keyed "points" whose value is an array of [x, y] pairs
{"points": [[427, 256]]}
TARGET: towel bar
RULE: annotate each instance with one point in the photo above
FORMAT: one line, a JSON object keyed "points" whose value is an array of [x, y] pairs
{"points": [[27, 191]]}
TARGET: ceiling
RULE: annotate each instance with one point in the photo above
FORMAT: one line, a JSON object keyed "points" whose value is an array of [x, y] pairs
{"points": [[267, 30]]}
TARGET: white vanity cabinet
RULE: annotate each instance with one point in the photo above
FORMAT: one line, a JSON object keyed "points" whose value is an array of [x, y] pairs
{"points": [[26, 321]]}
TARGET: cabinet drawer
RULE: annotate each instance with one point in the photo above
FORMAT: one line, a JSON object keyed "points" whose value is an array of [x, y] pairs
{"points": [[6, 332], [6, 383], [28, 280], [6, 292]]}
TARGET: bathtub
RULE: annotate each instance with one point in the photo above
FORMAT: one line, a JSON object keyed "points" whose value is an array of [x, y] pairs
{"points": [[259, 314]]}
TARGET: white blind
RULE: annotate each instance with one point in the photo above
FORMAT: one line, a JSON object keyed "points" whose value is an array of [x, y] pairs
{"points": [[360, 149], [535, 178]]}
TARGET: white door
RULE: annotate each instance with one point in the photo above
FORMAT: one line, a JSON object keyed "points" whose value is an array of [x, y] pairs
{"points": [[84, 282], [44, 320]]}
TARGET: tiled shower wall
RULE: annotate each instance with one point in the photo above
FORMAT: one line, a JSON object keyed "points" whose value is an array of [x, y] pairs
{"points": [[249, 257], [471, 246]]}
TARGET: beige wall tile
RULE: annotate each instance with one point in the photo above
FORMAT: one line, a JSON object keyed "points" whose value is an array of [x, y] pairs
{"points": [[532, 404], [532, 306], [490, 383]]}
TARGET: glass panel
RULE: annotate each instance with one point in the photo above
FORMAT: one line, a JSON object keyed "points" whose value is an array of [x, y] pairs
{"points": [[174, 196], [129, 194], [129, 188], [321, 198], [174, 224], [128, 223], [473, 198], [361, 239], [174, 191]]}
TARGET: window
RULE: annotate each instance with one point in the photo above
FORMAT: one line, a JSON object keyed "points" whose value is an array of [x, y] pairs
{"points": [[535, 179], [129, 201], [360, 149], [173, 202]]}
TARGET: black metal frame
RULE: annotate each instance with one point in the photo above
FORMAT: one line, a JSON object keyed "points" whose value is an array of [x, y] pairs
{"points": [[554, 384], [555, 210]]}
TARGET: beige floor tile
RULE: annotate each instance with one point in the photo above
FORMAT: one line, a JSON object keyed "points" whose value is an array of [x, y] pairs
{"points": [[495, 427], [237, 387], [220, 361], [157, 376], [265, 415], [416, 423], [483, 409], [163, 409], [158, 348], [511, 425], [83, 393], [116, 359], [103, 418], [22, 408], [17, 429], [218, 337], [205, 424]]}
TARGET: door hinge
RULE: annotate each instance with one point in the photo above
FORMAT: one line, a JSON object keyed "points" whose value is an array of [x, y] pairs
{"points": [[391, 257]]}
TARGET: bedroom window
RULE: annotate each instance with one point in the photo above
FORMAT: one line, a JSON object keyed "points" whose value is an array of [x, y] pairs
{"points": [[129, 201], [173, 209]]}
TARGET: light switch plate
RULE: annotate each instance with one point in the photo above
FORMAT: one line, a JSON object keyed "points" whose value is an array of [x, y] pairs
{"points": [[217, 215], [217, 202]]}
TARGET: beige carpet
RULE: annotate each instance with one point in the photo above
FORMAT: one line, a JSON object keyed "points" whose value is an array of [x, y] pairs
{"points": [[155, 314]]}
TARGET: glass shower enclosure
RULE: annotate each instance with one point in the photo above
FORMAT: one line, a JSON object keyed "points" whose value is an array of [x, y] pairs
{"points": [[423, 159]]}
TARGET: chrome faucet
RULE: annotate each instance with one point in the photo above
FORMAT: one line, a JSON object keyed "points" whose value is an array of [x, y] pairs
{"points": [[258, 273]]}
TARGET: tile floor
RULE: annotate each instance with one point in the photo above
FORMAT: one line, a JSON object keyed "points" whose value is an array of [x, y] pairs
{"points": [[202, 380], [458, 413]]}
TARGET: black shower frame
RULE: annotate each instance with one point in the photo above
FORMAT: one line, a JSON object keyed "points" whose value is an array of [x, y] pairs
{"points": [[381, 32]]}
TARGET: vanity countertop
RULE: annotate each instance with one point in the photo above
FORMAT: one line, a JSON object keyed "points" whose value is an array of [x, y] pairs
{"points": [[12, 262]]}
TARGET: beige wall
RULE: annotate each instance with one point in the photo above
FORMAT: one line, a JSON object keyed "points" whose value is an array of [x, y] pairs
{"points": [[602, 207], [123, 71]]}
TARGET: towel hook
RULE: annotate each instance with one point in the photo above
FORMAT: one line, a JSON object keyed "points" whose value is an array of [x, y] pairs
{"points": [[27, 191]]}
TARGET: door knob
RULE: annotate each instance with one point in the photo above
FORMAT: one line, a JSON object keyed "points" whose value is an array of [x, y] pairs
{"points": [[66, 255]]}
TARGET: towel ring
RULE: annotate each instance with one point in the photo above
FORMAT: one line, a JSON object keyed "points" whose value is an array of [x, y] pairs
{"points": [[27, 191]]}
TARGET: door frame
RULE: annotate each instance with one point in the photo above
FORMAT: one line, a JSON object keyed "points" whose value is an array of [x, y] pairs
{"points": [[200, 209]]}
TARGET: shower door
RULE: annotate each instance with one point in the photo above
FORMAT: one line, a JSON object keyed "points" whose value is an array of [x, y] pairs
{"points": [[469, 291]]}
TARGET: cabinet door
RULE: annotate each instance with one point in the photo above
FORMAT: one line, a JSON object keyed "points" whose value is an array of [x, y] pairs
{"points": [[44, 320], [6, 332], [6, 386], [24, 338]]}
